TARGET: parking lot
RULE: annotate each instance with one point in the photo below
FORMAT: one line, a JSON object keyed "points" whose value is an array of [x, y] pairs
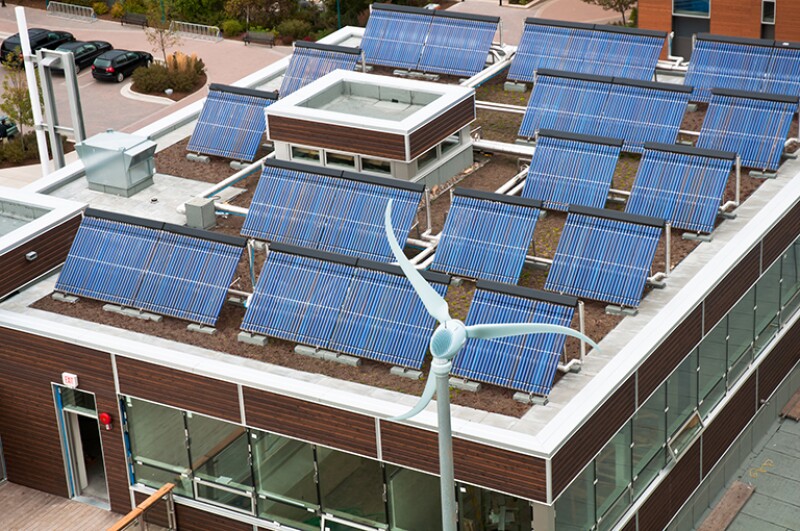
{"points": [[110, 105]]}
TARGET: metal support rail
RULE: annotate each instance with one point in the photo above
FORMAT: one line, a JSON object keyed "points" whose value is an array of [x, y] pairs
{"points": [[71, 11], [137, 515]]}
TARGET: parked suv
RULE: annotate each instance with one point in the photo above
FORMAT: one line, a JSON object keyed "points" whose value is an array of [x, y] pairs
{"points": [[84, 53], [40, 38], [116, 65]]}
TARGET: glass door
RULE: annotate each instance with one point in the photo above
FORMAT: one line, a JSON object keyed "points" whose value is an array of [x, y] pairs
{"points": [[82, 446]]}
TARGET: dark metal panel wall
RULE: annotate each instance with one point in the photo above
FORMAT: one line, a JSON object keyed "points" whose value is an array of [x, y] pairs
{"points": [[445, 125]]}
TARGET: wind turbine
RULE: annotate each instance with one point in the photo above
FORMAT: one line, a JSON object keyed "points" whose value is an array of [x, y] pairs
{"points": [[447, 340]]}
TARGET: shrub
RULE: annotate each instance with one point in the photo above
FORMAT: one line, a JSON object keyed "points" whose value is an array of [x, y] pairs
{"points": [[181, 73], [134, 6], [117, 10], [232, 28], [84, 3], [151, 80], [13, 151], [101, 8], [293, 28]]}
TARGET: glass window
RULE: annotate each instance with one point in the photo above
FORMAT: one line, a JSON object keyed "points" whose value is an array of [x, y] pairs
{"points": [[481, 509], [790, 280], [450, 143], [697, 8], [768, 297], [284, 469], [351, 485], [768, 12], [305, 154], [158, 445], [292, 515], [376, 166], [613, 475], [682, 393], [340, 160], [575, 507], [713, 364], [649, 440], [741, 325], [414, 500], [426, 158], [78, 401]]}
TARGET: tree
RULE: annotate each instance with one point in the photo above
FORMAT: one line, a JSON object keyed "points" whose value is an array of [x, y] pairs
{"points": [[15, 101], [160, 34], [621, 6]]}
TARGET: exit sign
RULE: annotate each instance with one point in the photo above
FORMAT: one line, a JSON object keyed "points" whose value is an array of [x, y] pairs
{"points": [[69, 379]]}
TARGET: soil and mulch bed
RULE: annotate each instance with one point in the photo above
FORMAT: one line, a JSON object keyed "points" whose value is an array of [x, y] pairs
{"points": [[176, 96], [172, 161]]}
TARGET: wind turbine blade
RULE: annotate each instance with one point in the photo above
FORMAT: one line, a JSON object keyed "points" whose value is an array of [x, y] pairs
{"points": [[434, 303], [489, 331], [424, 400]]}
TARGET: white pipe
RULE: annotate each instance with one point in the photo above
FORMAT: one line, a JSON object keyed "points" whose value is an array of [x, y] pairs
{"points": [[790, 140], [33, 89], [581, 325], [500, 107], [225, 207], [677, 58], [428, 210], [689, 133], [239, 293], [738, 179], [508, 187], [668, 249]]}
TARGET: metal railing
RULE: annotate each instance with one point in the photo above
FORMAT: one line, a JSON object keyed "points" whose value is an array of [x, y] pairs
{"points": [[196, 31], [138, 516], [71, 11]]}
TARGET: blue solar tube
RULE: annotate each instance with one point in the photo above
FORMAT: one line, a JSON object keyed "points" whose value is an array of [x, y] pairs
{"points": [[486, 237], [728, 63], [754, 125], [329, 210], [603, 258], [630, 55], [640, 111], [189, 278], [395, 38], [682, 185], [457, 46], [107, 260], [298, 298], [783, 73], [384, 319], [571, 169], [231, 124], [311, 61], [571, 104], [524, 363], [541, 46]]}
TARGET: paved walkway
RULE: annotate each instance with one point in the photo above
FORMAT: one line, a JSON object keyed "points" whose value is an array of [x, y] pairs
{"points": [[24, 509]]}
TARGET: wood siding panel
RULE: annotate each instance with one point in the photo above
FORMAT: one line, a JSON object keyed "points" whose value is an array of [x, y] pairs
{"points": [[787, 21], [592, 436], [180, 389], [308, 421], [441, 127], [669, 354], [731, 288], [737, 18], [676, 488], [494, 468], [780, 361], [51, 247], [28, 425], [350, 139], [733, 418], [781, 236]]}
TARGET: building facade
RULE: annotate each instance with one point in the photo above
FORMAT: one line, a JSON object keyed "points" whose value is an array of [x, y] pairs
{"points": [[758, 19]]}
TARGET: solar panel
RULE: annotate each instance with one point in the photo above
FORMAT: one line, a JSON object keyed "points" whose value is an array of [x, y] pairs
{"points": [[524, 363], [604, 255], [486, 236], [727, 63], [457, 44], [330, 210], [341, 303], [585, 49], [754, 125], [566, 102], [681, 184], [783, 73], [571, 169], [643, 111], [395, 35], [311, 61], [231, 123], [160, 267], [383, 318]]}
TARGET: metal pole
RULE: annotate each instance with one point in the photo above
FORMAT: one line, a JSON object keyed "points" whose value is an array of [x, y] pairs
{"points": [[338, 14], [33, 89], [441, 368]]}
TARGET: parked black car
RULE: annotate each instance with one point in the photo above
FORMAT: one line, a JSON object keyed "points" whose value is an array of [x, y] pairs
{"points": [[84, 52], [40, 38], [116, 65]]}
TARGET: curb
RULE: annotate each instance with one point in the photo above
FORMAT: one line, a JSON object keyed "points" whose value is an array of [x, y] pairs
{"points": [[126, 92]]}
